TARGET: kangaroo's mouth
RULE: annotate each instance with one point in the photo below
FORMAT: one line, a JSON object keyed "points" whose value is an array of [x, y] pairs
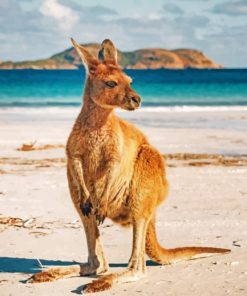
{"points": [[132, 103], [131, 107]]}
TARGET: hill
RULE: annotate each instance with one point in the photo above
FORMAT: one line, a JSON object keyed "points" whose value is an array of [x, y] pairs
{"points": [[151, 58]]}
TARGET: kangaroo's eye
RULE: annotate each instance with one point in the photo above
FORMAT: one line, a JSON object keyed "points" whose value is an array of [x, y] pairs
{"points": [[111, 84]]}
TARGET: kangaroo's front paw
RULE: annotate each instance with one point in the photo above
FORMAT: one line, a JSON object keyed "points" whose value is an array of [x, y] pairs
{"points": [[86, 208], [100, 214]]}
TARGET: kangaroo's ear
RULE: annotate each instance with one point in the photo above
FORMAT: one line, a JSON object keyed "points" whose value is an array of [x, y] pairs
{"points": [[108, 51], [89, 61]]}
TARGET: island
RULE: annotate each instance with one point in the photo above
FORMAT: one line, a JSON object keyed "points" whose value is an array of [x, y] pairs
{"points": [[150, 58]]}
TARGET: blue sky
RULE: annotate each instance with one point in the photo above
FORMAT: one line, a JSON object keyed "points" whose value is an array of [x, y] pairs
{"points": [[32, 29]]}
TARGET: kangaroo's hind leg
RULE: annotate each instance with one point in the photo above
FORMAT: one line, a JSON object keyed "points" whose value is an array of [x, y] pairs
{"points": [[146, 191], [136, 267]]}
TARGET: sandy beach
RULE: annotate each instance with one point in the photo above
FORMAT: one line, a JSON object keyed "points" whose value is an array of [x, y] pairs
{"points": [[207, 205]]}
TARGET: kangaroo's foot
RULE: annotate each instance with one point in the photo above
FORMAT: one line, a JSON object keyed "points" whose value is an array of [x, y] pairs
{"points": [[53, 274], [107, 281]]}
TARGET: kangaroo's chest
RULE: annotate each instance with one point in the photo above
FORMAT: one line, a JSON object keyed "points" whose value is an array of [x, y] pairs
{"points": [[104, 153], [96, 140], [100, 148]]}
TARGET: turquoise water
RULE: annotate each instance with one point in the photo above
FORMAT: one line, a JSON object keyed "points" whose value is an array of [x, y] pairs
{"points": [[158, 88]]}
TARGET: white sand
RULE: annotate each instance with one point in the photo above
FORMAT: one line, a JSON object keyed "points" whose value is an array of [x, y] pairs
{"points": [[206, 206]]}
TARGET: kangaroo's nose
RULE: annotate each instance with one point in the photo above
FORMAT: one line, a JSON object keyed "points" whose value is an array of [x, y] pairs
{"points": [[136, 100]]}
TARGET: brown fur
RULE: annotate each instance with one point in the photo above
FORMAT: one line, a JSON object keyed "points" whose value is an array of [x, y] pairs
{"points": [[114, 172]]}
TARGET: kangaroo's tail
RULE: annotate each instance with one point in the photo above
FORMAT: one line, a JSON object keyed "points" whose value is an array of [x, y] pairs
{"points": [[166, 256], [53, 274]]}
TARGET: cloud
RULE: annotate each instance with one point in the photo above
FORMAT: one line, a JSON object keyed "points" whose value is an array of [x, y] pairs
{"points": [[163, 32], [228, 47], [13, 19], [65, 16], [43, 29], [92, 12], [172, 8], [231, 8]]}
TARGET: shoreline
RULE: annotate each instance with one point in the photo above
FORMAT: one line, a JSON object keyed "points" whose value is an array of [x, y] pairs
{"points": [[143, 109]]}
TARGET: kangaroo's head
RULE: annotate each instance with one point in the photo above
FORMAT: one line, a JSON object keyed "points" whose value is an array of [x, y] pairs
{"points": [[109, 86]]}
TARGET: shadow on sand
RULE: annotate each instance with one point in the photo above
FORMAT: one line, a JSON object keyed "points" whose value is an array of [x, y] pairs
{"points": [[25, 265]]}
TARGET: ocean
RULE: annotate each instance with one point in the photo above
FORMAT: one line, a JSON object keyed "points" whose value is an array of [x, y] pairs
{"points": [[159, 89]]}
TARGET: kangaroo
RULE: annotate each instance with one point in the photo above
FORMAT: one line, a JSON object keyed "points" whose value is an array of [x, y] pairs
{"points": [[114, 172]]}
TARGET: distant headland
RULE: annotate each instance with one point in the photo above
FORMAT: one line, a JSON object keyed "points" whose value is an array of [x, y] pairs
{"points": [[151, 58]]}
